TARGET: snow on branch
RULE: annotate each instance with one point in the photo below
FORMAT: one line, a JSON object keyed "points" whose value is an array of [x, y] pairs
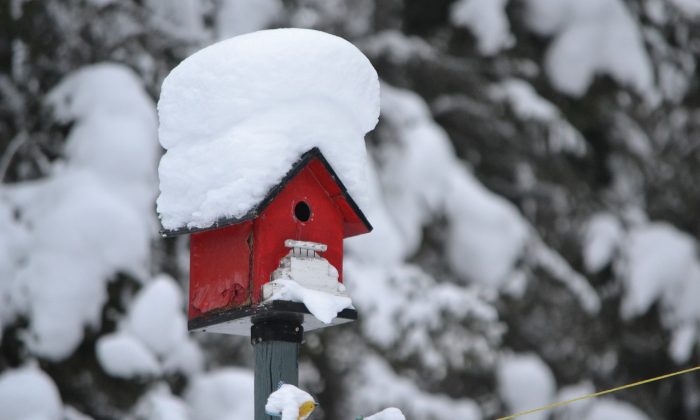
{"points": [[91, 218], [374, 385]]}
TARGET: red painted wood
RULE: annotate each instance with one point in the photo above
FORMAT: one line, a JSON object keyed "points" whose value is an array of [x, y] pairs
{"points": [[324, 178], [278, 223], [353, 225], [219, 269]]}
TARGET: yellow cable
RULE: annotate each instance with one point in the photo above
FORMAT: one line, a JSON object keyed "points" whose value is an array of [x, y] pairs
{"points": [[598, 394]]}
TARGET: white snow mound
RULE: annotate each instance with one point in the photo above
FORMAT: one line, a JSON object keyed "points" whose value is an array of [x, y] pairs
{"points": [[286, 401], [222, 394], [607, 408], [236, 115], [592, 37], [28, 393], [123, 356], [156, 316], [388, 414], [324, 306], [525, 382]]}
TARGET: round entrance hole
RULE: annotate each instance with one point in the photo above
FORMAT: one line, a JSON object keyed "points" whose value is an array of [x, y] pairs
{"points": [[302, 211]]}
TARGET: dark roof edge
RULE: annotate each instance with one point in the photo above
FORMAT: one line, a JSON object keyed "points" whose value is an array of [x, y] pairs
{"points": [[300, 164]]}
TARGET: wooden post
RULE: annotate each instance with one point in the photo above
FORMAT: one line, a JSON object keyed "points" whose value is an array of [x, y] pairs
{"points": [[276, 344]]}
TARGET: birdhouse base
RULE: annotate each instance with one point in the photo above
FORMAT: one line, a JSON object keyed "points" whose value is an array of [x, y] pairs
{"points": [[238, 321]]}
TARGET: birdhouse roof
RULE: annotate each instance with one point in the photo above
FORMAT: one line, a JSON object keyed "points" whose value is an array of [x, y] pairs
{"points": [[355, 222]]}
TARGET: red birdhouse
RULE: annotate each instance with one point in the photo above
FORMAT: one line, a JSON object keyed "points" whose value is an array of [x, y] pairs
{"points": [[309, 211]]}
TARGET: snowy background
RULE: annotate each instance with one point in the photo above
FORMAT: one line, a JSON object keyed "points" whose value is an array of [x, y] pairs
{"points": [[534, 192]]}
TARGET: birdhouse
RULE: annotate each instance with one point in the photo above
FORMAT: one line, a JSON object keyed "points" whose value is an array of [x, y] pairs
{"points": [[298, 228]]}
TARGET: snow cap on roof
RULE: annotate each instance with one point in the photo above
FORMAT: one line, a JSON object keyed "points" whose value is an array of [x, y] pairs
{"points": [[235, 117]]}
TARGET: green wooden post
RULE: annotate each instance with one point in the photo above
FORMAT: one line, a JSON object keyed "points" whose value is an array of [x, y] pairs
{"points": [[276, 345]]}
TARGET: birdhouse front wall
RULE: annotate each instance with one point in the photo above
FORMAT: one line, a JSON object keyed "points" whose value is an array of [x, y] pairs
{"points": [[280, 221], [229, 265]]}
